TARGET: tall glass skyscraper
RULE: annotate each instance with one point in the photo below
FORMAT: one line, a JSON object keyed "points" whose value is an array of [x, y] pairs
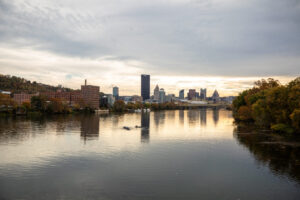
{"points": [[145, 86], [181, 94], [116, 92]]}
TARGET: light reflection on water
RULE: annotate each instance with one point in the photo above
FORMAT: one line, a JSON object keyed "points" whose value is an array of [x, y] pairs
{"points": [[187, 154]]}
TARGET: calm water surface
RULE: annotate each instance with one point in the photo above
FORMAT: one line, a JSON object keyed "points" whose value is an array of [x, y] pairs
{"points": [[192, 154]]}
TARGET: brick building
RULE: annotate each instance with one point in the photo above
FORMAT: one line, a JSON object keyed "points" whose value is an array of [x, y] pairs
{"points": [[191, 94], [70, 98], [23, 97], [90, 95]]}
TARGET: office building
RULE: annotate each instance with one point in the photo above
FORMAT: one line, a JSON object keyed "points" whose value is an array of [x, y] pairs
{"points": [[181, 94], [145, 86], [169, 98], [110, 100], [203, 94], [191, 94], [162, 96], [156, 93], [104, 101], [116, 92], [136, 98]]}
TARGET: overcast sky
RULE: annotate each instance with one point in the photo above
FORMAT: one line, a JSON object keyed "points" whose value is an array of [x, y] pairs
{"points": [[218, 44]]}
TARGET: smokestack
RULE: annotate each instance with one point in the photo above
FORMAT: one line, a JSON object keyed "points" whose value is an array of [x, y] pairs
{"points": [[85, 82]]}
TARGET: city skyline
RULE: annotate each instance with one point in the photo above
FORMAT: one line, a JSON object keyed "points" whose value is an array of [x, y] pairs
{"points": [[215, 44], [226, 86]]}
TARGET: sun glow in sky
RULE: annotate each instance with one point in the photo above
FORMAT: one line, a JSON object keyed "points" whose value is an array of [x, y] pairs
{"points": [[213, 44]]}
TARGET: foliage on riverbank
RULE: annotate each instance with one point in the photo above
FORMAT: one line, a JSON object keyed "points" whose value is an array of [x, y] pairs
{"points": [[39, 105], [271, 105], [16, 85], [120, 106]]}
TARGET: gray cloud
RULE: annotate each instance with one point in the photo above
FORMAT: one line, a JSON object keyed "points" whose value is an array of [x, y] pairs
{"points": [[205, 37]]}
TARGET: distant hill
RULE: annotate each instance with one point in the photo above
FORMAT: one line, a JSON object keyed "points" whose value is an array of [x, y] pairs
{"points": [[17, 85]]}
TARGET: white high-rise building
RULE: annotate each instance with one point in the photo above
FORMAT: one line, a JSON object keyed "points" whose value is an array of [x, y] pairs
{"points": [[156, 93], [162, 96]]}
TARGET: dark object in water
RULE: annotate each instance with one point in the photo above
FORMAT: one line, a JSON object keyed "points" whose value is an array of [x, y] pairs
{"points": [[138, 126], [126, 127]]}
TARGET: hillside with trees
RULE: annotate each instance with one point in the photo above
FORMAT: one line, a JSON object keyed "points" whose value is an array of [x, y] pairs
{"points": [[17, 85], [270, 104]]}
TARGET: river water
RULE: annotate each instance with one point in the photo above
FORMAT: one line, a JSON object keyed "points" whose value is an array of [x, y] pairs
{"points": [[191, 154]]}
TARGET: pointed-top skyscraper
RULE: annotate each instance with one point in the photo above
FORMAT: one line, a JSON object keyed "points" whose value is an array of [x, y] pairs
{"points": [[156, 93]]}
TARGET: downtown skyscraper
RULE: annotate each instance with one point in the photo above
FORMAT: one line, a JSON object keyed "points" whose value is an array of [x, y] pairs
{"points": [[145, 86], [116, 92]]}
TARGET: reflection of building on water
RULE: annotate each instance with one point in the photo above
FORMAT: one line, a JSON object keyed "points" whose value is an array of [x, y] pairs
{"points": [[203, 116], [181, 116], [159, 117], [216, 115], [89, 127], [145, 123], [193, 116], [171, 115]]}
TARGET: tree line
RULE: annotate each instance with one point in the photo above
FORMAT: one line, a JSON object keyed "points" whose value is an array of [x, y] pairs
{"points": [[17, 85], [270, 104], [40, 104], [120, 106]]}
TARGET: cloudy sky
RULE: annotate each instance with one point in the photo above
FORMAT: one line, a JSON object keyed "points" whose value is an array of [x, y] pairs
{"points": [[218, 44]]}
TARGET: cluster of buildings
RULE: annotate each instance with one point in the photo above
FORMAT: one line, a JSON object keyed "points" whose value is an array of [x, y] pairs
{"points": [[89, 95], [160, 96]]}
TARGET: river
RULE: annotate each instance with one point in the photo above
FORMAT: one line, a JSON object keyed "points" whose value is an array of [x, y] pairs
{"points": [[182, 154]]}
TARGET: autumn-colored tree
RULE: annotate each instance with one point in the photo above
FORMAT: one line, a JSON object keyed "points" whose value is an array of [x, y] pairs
{"points": [[244, 113], [266, 84], [6, 103], [17, 85], [260, 113], [295, 117], [55, 106], [130, 105], [38, 103], [277, 104], [26, 106], [154, 106], [119, 106], [270, 104]]}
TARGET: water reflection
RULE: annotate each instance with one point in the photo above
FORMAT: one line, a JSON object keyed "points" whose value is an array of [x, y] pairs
{"points": [[89, 127], [45, 158], [193, 117], [181, 116], [280, 155], [145, 124], [203, 116], [216, 115], [159, 118]]}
